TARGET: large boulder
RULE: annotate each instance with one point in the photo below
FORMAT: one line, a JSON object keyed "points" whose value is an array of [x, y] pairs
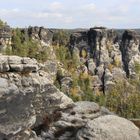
{"points": [[87, 120], [71, 120], [109, 127]]}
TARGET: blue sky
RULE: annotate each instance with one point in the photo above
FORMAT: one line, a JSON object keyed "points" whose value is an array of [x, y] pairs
{"points": [[71, 13]]}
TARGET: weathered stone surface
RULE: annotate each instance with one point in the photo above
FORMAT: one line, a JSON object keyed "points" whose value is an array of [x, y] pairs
{"points": [[51, 68], [26, 135], [72, 120], [109, 127], [26, 99], [85, 107], [6, 88], [16, 111], [18, 64], [14, 60], [87, 120], [26, 96]]}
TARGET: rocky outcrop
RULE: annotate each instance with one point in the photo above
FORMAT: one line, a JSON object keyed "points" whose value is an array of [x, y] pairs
{"points": [[109, 128], [26, 95], [97, 42], [43, 37], [18, 64], [109, 56], [87, 120], [40, 33], [32, 108], [100, 42]]}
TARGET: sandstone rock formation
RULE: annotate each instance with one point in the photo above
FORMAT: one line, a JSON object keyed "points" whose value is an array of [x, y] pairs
{"points": [[109, 128], [24, 87], [109, 56], [32, 108]]}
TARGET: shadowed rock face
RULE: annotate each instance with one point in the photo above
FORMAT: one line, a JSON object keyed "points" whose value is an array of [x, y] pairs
{"points": [[98, 40]]}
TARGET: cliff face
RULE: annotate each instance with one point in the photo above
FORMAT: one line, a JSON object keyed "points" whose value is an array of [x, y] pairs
{"points": [[108, 56]]}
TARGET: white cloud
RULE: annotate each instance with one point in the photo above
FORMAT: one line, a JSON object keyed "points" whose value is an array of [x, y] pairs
{"points": [[25, 13], [90, 7], [8, 11], [68, 19], [55, 6], [45, 15]]}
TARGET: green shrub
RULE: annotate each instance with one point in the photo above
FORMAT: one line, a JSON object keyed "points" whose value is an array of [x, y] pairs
{"points": [[124, 100], [137, 67]]}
